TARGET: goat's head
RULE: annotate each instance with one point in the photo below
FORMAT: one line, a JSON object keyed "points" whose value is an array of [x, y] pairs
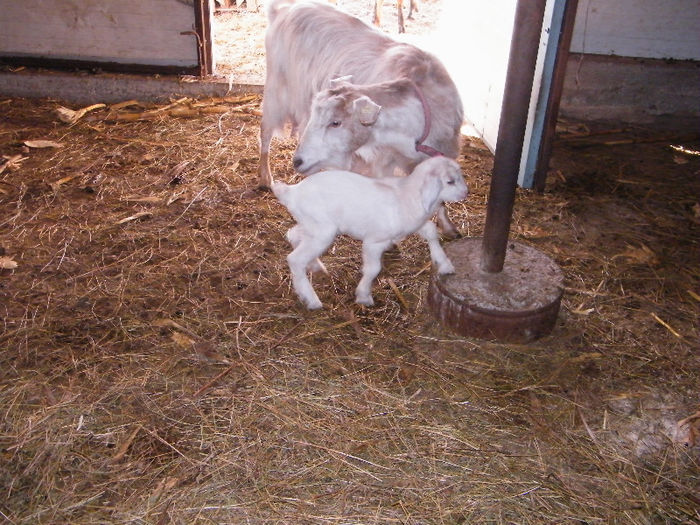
{"points": [[442, 182], [340, 123]]}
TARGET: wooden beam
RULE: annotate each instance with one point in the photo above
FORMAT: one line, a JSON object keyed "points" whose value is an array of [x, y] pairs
{"points": [[557, 86]]}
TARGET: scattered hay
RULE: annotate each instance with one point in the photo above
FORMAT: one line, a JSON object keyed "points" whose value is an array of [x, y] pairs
{"points": [[156, 366]]}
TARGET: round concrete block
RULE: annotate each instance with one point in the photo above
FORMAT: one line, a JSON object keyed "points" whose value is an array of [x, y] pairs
{"points": [[516, 305]]}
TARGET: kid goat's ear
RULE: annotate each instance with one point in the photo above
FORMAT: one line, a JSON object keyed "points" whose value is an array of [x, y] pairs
{"points": [[430, 190]]}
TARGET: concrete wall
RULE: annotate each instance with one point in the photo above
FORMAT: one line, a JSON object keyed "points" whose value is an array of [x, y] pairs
{"points": [[110, 88], [124, 31], [633, 90]]}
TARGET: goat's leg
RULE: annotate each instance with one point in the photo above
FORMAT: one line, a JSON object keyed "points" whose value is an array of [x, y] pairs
{"points": [[399, 6], [371, 266], [266, 132], [308, 249], [429, 232], [294, 236], [377, 18], [448, 228], [412, 6]]}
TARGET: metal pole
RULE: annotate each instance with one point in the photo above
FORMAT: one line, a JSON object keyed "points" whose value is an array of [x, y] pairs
{"points": [[527, 29]]}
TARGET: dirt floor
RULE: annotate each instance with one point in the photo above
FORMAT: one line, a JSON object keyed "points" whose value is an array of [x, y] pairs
{"points": [[156, 366]]}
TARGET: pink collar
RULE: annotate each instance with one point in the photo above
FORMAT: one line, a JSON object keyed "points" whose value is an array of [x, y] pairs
{"points": [[420, 147]]}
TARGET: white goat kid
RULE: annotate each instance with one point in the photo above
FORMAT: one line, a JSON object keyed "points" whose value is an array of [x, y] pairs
{"points": [[379, 212]]}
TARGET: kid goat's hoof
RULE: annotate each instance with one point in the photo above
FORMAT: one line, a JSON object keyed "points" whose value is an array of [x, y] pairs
{"points": [[365, 301]]}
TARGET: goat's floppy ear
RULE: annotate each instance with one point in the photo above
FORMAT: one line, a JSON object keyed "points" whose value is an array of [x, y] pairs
{"points": [[366, 110], [430, 190], [335, 83]]}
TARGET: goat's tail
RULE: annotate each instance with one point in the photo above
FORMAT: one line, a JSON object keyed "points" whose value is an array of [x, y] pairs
{"points": [[274, 8], [281, 190]]}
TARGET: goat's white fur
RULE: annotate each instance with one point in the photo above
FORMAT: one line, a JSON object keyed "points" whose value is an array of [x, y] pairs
{"points": [[379, 212], [308, 44]]}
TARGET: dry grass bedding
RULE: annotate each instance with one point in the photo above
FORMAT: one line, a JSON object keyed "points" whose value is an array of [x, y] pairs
{"points": [[156, 366]]}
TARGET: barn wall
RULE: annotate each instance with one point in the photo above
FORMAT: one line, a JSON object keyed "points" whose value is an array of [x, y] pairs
{"points": [[472, 39], [618, 70], [127, 31], [638, 28], [635, 61]]}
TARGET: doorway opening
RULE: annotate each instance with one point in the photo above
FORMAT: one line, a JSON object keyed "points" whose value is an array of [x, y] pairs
{"points": [[239, 33]]}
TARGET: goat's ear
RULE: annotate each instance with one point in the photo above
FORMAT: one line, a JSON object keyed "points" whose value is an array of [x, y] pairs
{"points": [[335, 83], [366, 110], [430, 190]]}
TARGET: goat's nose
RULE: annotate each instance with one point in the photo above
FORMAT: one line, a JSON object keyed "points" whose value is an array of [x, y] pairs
{"points": [[298, 161]]}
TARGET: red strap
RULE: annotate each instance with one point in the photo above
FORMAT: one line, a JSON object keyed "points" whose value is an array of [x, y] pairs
{"points": [[422, 148], [428, 150]]}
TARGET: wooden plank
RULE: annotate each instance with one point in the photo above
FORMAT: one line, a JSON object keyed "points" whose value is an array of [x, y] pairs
{"points": [[638, 28], [551, 76], [129, 31], [566, 28]]}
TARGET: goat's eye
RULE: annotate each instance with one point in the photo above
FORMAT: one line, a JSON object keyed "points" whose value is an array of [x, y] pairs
{"points": [[335, 124], [451, 181]]}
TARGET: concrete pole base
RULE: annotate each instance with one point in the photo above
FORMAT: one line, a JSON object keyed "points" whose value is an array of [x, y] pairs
{"points": [[517, 305]]}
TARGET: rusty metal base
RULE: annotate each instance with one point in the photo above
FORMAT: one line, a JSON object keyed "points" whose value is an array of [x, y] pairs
{"points": [[518, 305]]}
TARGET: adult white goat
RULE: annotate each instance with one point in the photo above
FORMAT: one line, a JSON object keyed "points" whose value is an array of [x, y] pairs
{"points": [[379, 212], [310, 43]]}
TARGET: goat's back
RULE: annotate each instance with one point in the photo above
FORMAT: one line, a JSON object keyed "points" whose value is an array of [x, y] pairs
{"points": [[309, 43]]}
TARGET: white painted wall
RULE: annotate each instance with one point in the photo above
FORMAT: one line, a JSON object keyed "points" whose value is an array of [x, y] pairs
{"points": [[473, 39], [638, 28], [124, 31]]}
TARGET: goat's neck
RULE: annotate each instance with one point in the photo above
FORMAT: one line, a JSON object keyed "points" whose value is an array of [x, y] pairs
{"points": [[400, 126]]}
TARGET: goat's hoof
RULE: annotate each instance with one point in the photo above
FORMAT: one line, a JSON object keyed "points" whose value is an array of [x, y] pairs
{"points": [[314, 305], [446, 269], [452, 235], [365, 301]]}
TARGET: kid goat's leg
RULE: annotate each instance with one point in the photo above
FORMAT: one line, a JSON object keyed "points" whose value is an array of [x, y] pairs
{"points": [[294, 236], [308, 248], [371, 266], [429, 232]]}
